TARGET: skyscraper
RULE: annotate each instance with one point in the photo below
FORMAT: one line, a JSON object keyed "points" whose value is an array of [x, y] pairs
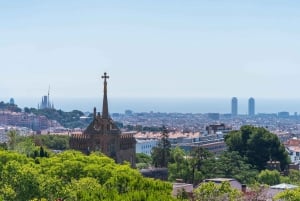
{"points": [[251, 107], [234, 106]]}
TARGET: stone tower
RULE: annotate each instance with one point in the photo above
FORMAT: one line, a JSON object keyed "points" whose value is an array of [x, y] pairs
{"points": [[103, 135]]}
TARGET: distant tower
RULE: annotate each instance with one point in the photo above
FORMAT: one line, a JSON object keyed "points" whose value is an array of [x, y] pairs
{"points": [[46, 104], [251, 107], [105, 114], [11, 101], [234, 106]]}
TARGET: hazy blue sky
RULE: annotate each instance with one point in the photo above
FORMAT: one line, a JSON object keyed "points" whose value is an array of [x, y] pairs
{"points": [[171, 48]]}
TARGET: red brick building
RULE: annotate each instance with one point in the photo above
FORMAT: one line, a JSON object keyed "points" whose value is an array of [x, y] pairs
{"points": [[103, 135]]}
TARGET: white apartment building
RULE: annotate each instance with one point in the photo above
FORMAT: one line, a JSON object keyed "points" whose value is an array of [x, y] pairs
{"points": [[145, 146]]}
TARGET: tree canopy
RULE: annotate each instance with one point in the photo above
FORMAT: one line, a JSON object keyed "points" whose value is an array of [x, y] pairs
{"points": [[269, 177], [71, 175], [10, 107], [57, 142], [66, 119], [217, 192], [258, 145], [199, 164], [288, 195], [161, 153]]}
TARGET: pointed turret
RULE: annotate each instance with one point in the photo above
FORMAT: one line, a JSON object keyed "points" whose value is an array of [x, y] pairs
{"points": [[48, 99], [105, 114]]}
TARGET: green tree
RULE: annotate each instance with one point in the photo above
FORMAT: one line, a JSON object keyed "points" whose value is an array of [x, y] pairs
{"points": [[22, 179], [3, 145], [161, 153], [26, 147], [178, 167], [288, 195], [84, 189], [294, 176], [57, 142], [143, 160], [232, 165], [75, 176], [258, 145], [269, 177], [12, 139], [198, 157], [66, 119], [51, 187], [7, 193], [217, 192], [10, 107]]}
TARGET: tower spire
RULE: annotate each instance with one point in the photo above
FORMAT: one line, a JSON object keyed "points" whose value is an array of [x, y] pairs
{"points": [[105, 114], [48, 103]]}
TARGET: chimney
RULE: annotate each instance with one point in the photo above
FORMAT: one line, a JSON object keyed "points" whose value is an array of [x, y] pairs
{"points": [[244, 188]]}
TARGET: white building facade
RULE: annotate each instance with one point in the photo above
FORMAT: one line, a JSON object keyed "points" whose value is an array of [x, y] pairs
{"points": [[145, 146]]}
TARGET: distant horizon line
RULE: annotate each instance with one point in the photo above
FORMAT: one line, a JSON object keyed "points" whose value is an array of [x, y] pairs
{"points": [[154, 97], [168, 105]]}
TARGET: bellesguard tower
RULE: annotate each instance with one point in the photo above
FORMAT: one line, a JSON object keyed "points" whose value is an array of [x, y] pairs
{"points": [[103, 135]]}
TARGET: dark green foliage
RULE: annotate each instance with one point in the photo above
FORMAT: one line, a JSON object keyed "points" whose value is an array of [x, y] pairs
{"points": [[56, 142], [179, 167], [66, 119], [142, 158], [294, 177], [232, 165], [198, 156], [161, 153], [200, 164], [3, 146], [190, 167], [10, 107], [258, 145], [43, 153], [140, 128]]}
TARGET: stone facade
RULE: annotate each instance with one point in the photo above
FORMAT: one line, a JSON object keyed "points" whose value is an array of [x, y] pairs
{"points": [[103, 135]]}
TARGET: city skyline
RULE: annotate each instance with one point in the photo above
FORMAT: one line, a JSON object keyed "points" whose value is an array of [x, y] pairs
{"points": [[234, 106], [251, 106], [167, 50], [171, 105]]}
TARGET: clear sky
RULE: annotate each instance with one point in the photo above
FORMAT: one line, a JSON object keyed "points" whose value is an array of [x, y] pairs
{"points": [[170, 48]]}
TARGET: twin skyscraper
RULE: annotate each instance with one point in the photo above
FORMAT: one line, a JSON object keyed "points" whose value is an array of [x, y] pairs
{"points": [[234, 106]]}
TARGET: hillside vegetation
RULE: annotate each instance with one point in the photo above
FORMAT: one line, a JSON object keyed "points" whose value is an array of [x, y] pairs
{"points": [[73, 176]]}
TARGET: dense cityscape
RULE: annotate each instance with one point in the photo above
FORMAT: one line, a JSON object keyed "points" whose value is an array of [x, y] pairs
{"points": [[149, 100], [142, 134]]}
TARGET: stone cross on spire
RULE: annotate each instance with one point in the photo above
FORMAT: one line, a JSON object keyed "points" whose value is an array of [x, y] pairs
{"points": [[105, 114], [105, 76]]}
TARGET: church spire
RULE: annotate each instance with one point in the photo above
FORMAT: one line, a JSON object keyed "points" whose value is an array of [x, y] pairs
{"points": [[105, 104]]}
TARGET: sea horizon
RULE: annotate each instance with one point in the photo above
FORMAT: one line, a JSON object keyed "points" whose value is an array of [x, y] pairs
{"points": [[167, 105]]}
